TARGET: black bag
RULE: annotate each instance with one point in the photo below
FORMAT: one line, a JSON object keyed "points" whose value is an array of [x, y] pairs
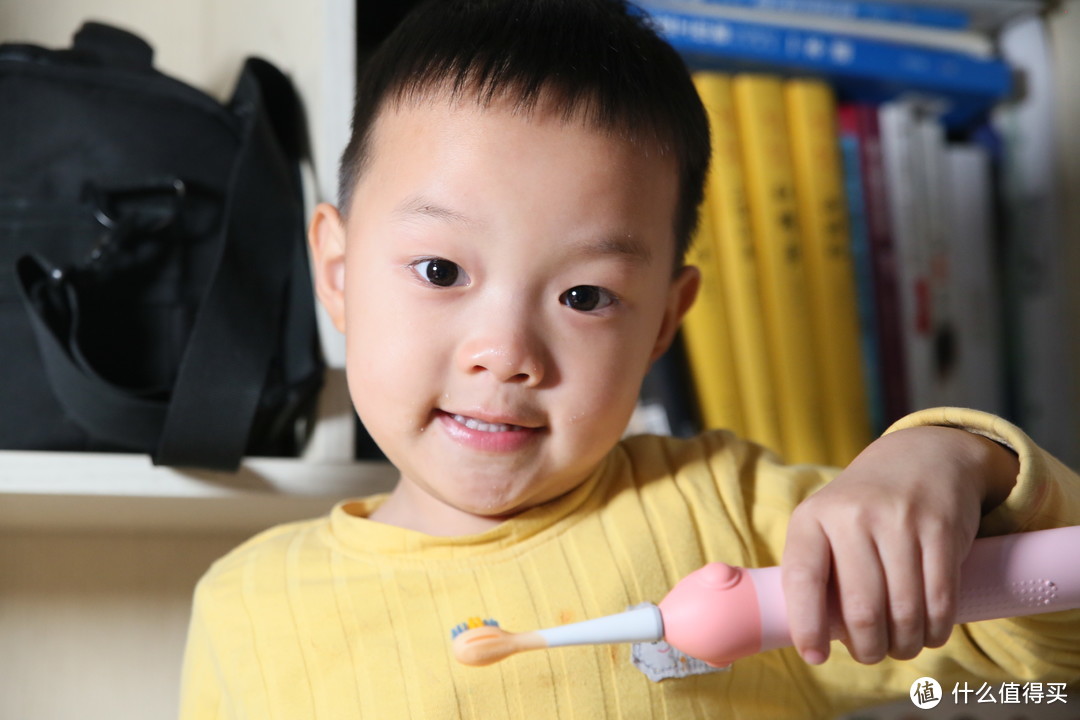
{"points": [[154, 286]]}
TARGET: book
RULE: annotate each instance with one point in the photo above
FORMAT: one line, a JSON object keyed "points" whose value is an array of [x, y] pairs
{"points": [[860, 68], [826, 247], [982, 16], [944, 382], [862, 261], [1043, 373], [901, 151], [707, 338], [935, 16], [861, 120], [978, 377], [733, 239], [955, 39], [770, 181]]}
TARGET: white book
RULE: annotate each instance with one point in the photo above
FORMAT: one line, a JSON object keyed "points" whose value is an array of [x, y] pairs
{"points": [[1035, 246], [900, 145], [930, 188], [977, 380]]}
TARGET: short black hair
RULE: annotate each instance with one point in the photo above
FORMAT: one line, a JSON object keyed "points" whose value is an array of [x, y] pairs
{"points": [[600, 60]]}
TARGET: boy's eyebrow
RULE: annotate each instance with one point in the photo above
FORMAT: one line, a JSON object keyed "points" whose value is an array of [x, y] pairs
{"points": [[419, 206], [626, 246]]}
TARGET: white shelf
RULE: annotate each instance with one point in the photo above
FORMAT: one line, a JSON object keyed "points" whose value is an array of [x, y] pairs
{"points": [[99, 491]]}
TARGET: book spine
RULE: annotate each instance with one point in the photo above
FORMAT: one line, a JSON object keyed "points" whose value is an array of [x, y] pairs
{"points": [[902, 155], [733, 240], [707, 337], [869, 336], [759, 105], [884, 263], [944, 383], [865, 68], [826, 245], [1036, 247], [975, 44], [975, 283], [945, 18]]}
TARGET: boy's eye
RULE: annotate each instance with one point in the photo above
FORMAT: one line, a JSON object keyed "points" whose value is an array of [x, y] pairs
{"points": [[586, 298], [440, 272]]}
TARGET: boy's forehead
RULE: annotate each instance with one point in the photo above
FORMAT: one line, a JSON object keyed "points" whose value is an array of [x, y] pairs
{"points": [[417, 119]]}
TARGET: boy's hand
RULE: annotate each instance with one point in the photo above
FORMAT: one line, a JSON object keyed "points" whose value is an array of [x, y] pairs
{"points": [[880, 547]]}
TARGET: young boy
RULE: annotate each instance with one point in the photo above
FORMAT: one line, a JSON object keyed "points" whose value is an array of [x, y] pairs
{"points": [[506, 262]]}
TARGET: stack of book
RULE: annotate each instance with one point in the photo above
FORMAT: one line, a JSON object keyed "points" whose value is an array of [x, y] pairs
{"points": [[848, 242]]}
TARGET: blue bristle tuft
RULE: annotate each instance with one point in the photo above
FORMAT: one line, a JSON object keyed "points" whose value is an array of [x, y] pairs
{"points": [[472, 623]]}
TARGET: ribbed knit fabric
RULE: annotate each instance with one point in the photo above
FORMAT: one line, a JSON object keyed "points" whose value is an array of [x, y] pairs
{"points": [[342, 617]]}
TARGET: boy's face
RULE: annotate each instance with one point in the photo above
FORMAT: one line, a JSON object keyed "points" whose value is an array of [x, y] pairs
{"points": [[504, 282]]}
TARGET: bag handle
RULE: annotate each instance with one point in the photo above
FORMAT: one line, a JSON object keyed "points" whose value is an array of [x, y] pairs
{"points": [[225, 365], [224, 368], [114, 46]]}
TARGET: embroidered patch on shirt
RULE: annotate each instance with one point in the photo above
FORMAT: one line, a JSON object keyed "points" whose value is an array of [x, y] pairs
{"points": [[659, 661]]}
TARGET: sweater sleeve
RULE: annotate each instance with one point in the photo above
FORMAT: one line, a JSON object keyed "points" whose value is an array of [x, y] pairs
{"points": [[1037, 648], [1047, 493]]}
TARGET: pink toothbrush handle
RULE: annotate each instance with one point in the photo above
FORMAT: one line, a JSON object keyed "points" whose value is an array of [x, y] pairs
{"points": [[721, 613]]}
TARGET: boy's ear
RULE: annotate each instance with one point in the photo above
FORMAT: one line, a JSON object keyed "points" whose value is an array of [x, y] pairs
{"points": [[326, 237], [681, 295]]}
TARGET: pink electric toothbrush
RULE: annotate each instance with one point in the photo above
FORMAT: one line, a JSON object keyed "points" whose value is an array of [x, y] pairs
{"points": [[721, 613]]}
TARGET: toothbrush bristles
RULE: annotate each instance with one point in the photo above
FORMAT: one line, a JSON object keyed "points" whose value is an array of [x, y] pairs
{"points": [[473, 622]]}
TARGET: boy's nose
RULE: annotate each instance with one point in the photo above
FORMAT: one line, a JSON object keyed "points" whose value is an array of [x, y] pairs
{"points": [[510, 355]]}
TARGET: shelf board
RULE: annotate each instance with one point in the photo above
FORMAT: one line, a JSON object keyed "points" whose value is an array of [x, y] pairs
{"points": [[117, 492]]}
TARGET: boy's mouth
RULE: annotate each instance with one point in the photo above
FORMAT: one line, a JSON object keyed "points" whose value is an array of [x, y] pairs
{"points": [[474, 424], [488, 433]]}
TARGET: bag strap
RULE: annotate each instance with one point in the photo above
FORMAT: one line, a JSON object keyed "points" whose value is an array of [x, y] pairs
{"points": [[235, 336], [115, 415], [213, 402]]}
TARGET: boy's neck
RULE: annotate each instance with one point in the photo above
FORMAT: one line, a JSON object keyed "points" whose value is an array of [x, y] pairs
{"points": [[413, 509]]}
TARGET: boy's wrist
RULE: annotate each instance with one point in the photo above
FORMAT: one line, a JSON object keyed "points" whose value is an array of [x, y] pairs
{"points": [[1000, 469], [993, 446]]}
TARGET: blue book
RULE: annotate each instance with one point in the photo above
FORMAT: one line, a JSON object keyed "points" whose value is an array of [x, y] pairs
{"points": [[864, 281], [860, 68], [944, 18]]}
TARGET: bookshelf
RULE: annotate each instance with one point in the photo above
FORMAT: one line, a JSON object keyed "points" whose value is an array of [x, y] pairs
{"points": [[43, 492], [964, 209]]}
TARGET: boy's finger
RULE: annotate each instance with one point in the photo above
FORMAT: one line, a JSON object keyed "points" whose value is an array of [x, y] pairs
{"points": [[805, 572], [941, 572], [860, 585], [903, 566]]}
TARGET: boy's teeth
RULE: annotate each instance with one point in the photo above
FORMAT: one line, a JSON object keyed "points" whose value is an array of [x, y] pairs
{"points": [[474, 424]]}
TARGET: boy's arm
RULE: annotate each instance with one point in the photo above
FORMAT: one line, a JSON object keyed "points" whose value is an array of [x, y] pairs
{"points": [[891, 530]]}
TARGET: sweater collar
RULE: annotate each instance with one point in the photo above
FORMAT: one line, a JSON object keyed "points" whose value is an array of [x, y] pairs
{"points": [[356, 534]]}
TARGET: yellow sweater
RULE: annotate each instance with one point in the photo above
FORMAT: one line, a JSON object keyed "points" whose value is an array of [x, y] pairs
{"points": [[342, 617]]}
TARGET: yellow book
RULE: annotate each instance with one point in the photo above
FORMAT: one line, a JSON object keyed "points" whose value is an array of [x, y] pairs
{"points": [[707, 339], [733, 246], [826, 244], [770, 182]]}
